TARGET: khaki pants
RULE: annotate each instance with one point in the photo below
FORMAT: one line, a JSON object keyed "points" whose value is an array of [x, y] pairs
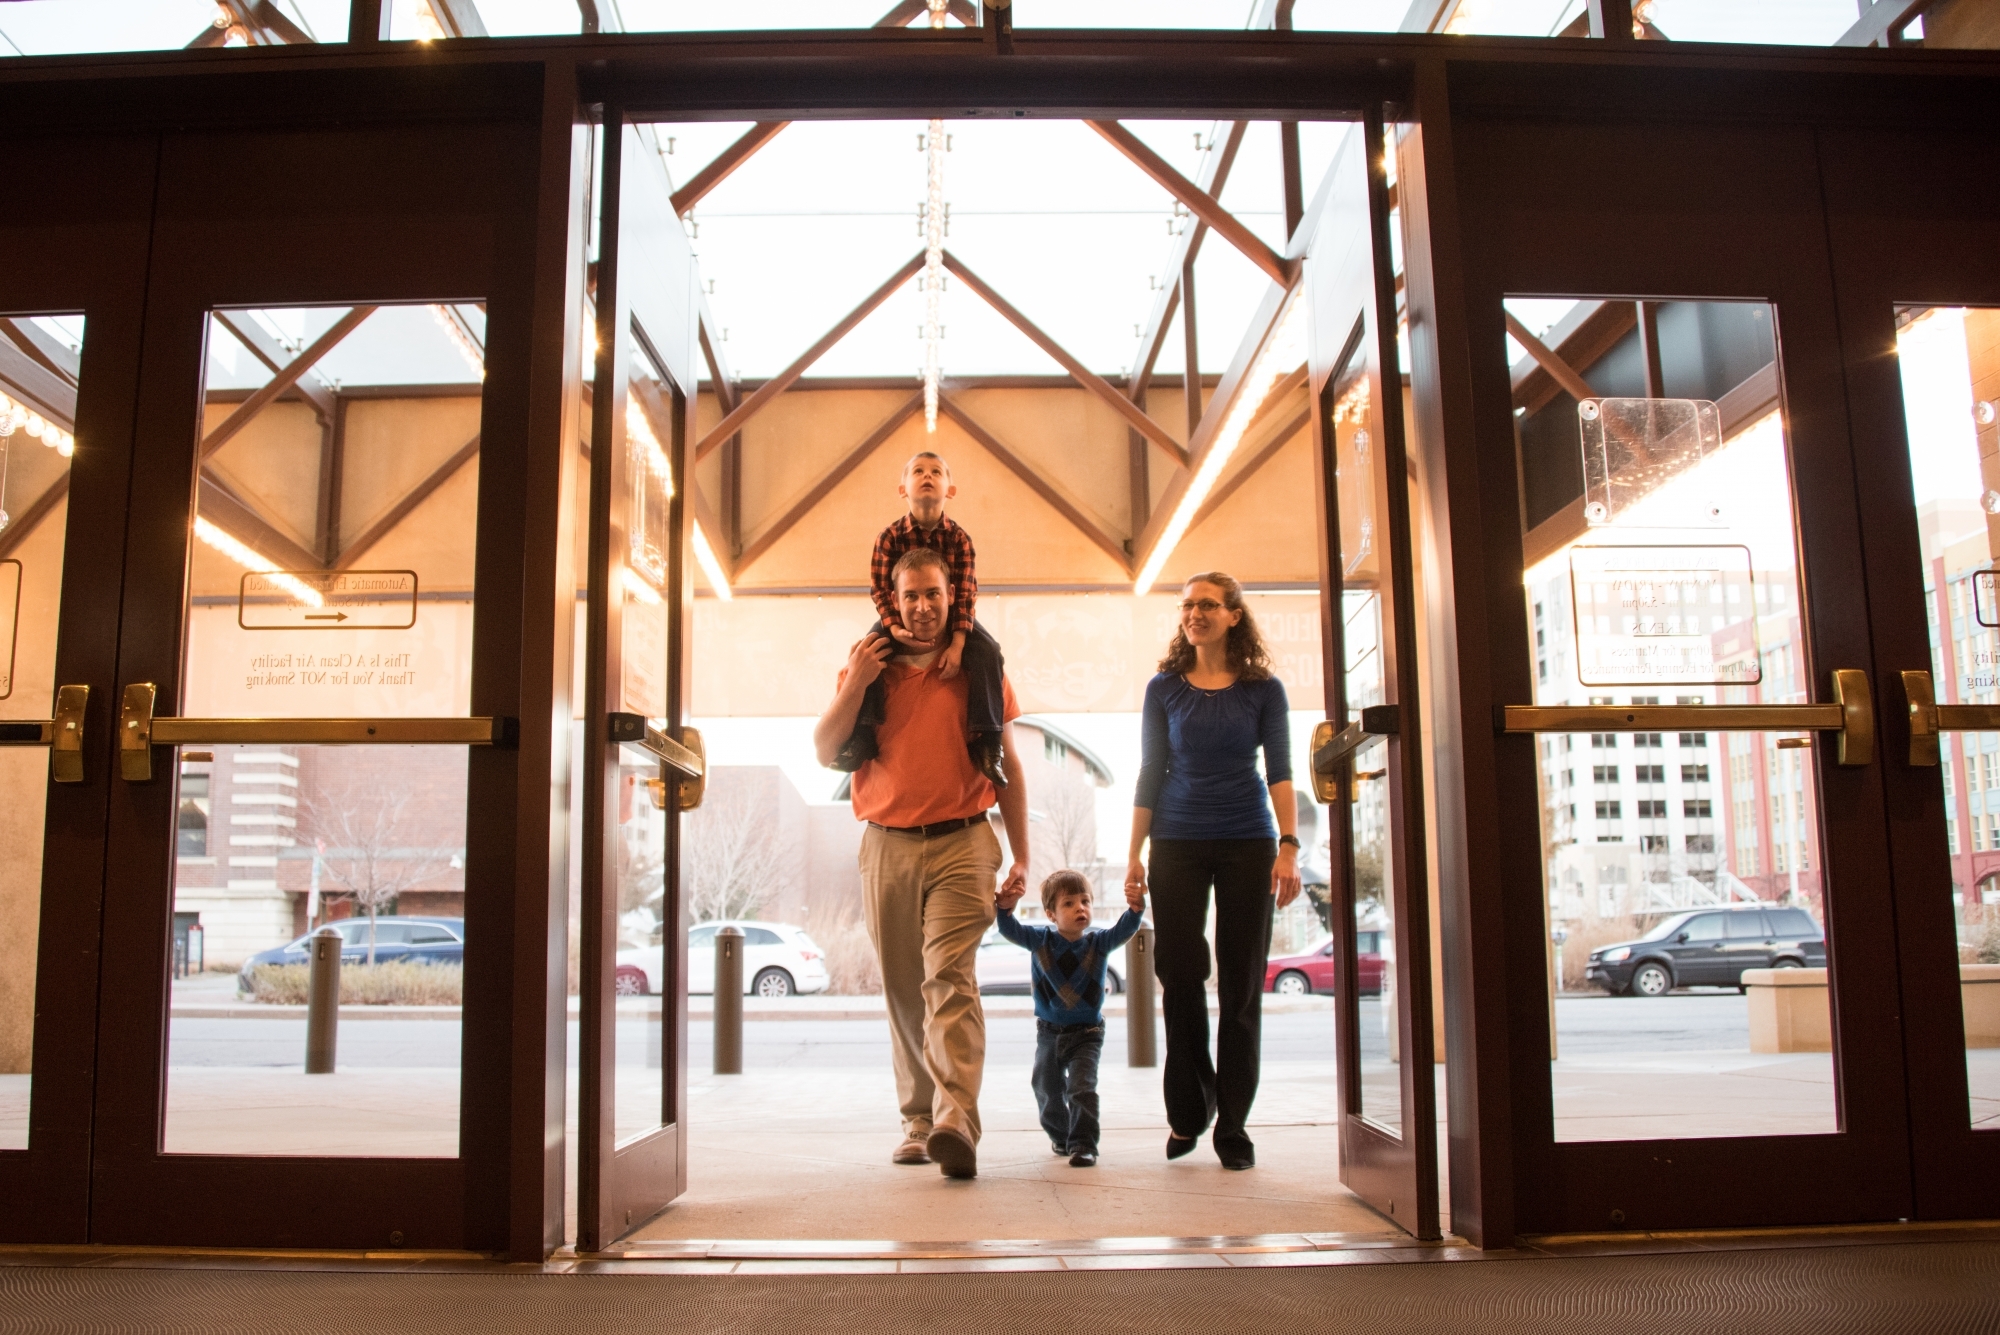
{"points": [[929, 903]]}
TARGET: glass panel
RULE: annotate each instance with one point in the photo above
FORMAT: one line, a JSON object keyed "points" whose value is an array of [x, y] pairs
{"points": [[38, 376], [1364, 610], [332, 575], [1950, 359], [1663, 569], [641, 511], [58, 27]]}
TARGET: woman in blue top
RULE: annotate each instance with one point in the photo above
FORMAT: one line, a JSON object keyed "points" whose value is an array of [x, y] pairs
{"points": [[1212, 707]]}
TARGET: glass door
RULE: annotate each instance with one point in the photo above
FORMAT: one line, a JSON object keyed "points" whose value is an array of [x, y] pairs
{"points": [[69, 337], [643, 766], [1920, 314], [316, 707], [1367, 761]]}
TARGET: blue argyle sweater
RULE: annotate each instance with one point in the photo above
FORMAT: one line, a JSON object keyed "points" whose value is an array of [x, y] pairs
{"points": [[1069, 975]]}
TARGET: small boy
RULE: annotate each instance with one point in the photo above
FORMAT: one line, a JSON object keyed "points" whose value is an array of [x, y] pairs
{"points": [[1068, 974], [926, 486]]}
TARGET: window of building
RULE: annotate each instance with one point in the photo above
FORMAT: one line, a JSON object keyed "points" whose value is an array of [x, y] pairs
{"points": [[1608, 811], [1694, 774], [192, 834], [1646, 739], [1652, 810], [1694, 739], [1697, 808], [1701, 844], [1604, 774], [1650, 773]]}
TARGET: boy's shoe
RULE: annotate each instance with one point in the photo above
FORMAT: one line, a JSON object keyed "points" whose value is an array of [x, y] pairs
{"points": [[911, 1151], [986, 754], [860, 748], [1083, 1159], [952, 1153], [1061, 1151]]}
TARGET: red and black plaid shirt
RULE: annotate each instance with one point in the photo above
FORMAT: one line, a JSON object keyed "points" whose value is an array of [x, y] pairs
{"points": [[949, 541]]}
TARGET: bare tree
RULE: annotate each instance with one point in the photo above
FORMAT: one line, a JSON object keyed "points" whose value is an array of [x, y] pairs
{"points": [[732, 860], [369, 847], [1065, 836]]}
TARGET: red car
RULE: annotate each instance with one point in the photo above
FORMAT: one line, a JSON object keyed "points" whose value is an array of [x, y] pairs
{"points": [[1303, 975]]}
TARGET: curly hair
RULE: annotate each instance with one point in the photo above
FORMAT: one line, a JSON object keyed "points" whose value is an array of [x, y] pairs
{"points": [[1248, 658]]}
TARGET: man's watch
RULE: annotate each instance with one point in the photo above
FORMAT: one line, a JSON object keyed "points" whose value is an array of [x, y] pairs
{"points": [[1291, 839]]}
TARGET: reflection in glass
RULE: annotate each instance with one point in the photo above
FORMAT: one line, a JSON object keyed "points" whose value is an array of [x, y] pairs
{"points": [[38, 380], [1683, 868], [331, 576], [1950, 361]]}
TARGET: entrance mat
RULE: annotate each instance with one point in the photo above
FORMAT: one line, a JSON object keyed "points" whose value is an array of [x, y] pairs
{"points": [[1816, 1290]]}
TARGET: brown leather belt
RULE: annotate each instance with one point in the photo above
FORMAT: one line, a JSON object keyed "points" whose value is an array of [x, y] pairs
{"points": [[934, 829]]}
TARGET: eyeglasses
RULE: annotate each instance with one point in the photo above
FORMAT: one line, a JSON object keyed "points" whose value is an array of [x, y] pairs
{"points": [[1208, 605]]}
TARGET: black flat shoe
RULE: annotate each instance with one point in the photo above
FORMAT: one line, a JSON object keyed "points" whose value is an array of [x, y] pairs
{"points": [[1179, 1147], [1083, 1159]]}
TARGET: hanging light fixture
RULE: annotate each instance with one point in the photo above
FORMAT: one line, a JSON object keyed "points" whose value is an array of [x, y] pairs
{"points": [[18, 416], [934, 257]]}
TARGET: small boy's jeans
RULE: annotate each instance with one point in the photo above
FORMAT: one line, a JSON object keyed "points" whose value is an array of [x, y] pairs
{"points": [[1065, 1080], [984, 708]]}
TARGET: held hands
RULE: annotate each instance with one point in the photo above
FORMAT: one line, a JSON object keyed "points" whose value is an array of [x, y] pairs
{"points": [[1285, 875], [1135, 886], [1013, 887]]}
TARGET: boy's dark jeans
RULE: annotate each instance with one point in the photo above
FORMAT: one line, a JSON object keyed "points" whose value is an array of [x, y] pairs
{"points": [[1065, 1080], [981, 663]]}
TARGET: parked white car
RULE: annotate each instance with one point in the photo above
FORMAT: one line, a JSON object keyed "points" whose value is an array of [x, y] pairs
{"points": [[1004, 967], [779, 960]]}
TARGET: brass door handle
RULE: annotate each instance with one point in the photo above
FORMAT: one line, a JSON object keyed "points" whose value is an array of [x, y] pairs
{"points": [[689, 756], [1929, 720], [63, 734], [139, 731], [1334, 748], [1851, 714]]}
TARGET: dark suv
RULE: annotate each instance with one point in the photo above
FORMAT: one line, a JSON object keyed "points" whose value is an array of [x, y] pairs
{"points": [[1709, 948]]}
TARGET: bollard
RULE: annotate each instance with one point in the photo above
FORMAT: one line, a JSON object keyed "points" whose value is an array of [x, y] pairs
{"points": [[729, 1001], [1139, 990], [323, 1002]]}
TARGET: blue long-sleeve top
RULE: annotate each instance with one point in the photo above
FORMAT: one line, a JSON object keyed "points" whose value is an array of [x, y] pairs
{"points": [[1068, 975], [1198, 758]]}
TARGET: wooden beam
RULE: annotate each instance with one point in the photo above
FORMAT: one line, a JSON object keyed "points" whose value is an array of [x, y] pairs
{"points": [[44, 390], [42, 348], [1190, 350], [1214, 175], [1581, 339], [222, 507], [270, 352], [332, 480], [733, 421], [24, 523], [400, 511], [458, 18], [1882, 22], [283, 380], [1610, 20], [723, 163], [1294, 174], [1559, 370], [1227, 487], [850, 461], [1090, 380], [711, 527], [1198, 201], [1262, 325], [1020, 467]]}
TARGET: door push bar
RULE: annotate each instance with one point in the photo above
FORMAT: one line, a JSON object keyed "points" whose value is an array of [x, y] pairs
{"points": [[1929, 720], [63, 734], [1332, 749], [139, 732], [1851, 714], [688, 756]]}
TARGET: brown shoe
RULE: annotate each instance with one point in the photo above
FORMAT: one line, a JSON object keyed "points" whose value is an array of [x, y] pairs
{"points": [[952, 1153], [911, 1151]]}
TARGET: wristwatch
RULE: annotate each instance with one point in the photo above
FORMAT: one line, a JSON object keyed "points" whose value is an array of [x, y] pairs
{"points": [[1291, 839]]}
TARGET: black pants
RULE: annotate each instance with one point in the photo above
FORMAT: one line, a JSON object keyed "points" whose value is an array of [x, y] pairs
{"points": [[1181, 873], [984, 706], [1065, 1080]]}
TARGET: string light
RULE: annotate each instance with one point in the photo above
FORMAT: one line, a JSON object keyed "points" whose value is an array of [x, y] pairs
{"points": [[1284, 348], [18, 416], [934, 259], [461, 338], [250, 559], [937, 12]]}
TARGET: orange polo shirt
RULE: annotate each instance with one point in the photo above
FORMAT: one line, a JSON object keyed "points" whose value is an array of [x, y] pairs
{"points": [[923, 774]]}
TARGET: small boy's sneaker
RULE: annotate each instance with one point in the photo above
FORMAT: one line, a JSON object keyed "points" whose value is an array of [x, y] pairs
{"points": [[857, 750], [986, 754], [1061, 1151], [1083, 1159]]}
